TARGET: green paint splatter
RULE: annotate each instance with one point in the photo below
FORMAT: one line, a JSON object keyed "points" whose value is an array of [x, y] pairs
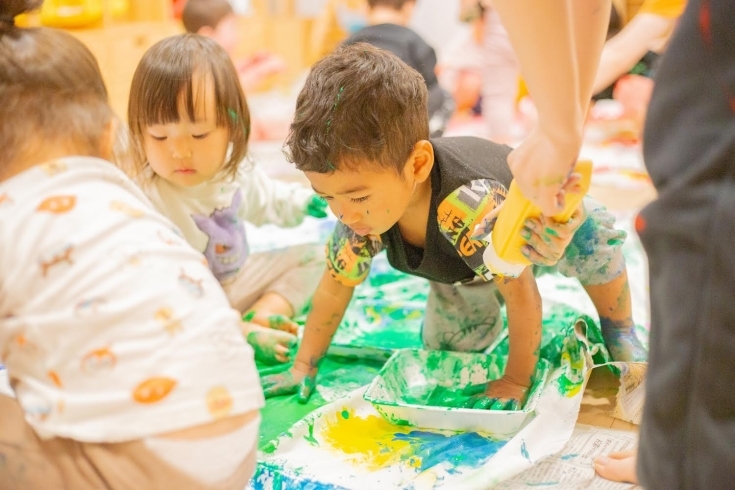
{"points": [[613, 242], [345, 414], [310, 437]]}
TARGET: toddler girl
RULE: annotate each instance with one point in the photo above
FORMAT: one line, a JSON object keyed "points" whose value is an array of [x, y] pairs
{"points": [[190, 126]]}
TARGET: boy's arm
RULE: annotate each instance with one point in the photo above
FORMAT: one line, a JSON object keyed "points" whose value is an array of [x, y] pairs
{"points": [[523, 305], [328, 307], [348, 264]]}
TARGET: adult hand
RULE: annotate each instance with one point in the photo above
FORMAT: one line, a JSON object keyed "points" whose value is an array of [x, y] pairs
{"points": [[541, 167]]}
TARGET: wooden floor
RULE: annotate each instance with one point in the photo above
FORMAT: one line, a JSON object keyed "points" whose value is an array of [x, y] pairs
{"points": [[599, 397]]}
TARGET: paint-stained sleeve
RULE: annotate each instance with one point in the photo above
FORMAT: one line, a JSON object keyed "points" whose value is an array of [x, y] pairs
{"points": [[349, 255], [461, 211], [268, 200]]}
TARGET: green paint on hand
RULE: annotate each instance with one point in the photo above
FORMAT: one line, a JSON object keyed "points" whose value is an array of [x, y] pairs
{"points": [[614, 242], [550, 231], [345, 414]]}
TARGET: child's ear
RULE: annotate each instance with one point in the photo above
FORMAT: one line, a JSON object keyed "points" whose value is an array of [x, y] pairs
{"points": [[206, 31], [421, 160], [109, 139]]}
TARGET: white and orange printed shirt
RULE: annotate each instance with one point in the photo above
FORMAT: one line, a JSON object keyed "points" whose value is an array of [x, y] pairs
{"points": [[112, 327]]}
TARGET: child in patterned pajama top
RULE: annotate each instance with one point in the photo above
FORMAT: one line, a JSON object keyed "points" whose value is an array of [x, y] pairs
{"points": [[360, 136], [190, 125], [124, 356]]}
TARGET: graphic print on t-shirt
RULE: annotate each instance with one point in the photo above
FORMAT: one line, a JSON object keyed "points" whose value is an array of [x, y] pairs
{"points": [[227, 247]]}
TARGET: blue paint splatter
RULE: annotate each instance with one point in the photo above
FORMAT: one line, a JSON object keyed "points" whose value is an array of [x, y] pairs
{"points": [[584, 241], [567, 457], [274, 477], [543, 484], [524, 451], [467, 449]]}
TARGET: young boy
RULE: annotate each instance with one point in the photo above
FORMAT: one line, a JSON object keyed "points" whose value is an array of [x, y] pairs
{"points": [[360, 136], [387, 29], [216, 19]]}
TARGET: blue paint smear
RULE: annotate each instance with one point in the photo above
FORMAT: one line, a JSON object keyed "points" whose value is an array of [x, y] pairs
{"points": [[524, 451], [544, 484], [467, 449], [584, 240], [273, 477], [567, 457]]}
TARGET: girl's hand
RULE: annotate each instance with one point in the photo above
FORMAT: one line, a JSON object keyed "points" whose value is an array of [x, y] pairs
{"points": [[316, 207], [546, 240], [271, 345]]}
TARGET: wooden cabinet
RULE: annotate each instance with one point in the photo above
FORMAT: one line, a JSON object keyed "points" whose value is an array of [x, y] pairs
{"points": [[118, 49]]}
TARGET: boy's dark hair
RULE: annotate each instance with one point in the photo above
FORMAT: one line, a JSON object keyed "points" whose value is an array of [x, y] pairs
{"points": [[166, 73], [395, 4], [51, 89], [359, 104], [204, 13]]}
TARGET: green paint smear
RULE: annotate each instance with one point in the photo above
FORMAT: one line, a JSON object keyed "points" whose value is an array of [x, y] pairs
{"points": [[386, 314], [282, 412]]}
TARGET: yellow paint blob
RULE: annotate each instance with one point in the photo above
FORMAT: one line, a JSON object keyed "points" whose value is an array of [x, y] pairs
{"points": [[368, 441]]}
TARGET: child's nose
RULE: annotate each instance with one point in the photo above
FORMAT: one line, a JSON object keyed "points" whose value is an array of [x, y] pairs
{"points": [[346, 215], [180, 150]]}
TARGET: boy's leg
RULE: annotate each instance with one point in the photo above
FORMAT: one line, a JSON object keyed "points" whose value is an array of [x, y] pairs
{"points": [[595, 257], [279, 282], [462, 317]]}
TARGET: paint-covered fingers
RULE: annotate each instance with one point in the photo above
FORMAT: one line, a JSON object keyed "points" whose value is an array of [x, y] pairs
{"points": [[546, 239], [486, 224], [279, 384], [306, 388], [483, 402], [271, 345], [506, 394], [316, 206], [283, 323]]}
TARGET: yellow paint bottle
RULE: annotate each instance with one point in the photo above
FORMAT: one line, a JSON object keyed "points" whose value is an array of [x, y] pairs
{"points": [[506, 235]]}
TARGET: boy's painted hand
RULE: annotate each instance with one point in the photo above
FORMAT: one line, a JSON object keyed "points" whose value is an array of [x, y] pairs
{"points": [[290, 382], [547, 240], [316, 207], [501, 394]]}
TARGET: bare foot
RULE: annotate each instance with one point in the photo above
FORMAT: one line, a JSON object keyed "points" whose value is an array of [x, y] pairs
{"points": [[618, 467]]}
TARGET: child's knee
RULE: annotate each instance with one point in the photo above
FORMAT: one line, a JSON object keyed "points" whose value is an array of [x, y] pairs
{"points": [[595, 255], [464, 318]]}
